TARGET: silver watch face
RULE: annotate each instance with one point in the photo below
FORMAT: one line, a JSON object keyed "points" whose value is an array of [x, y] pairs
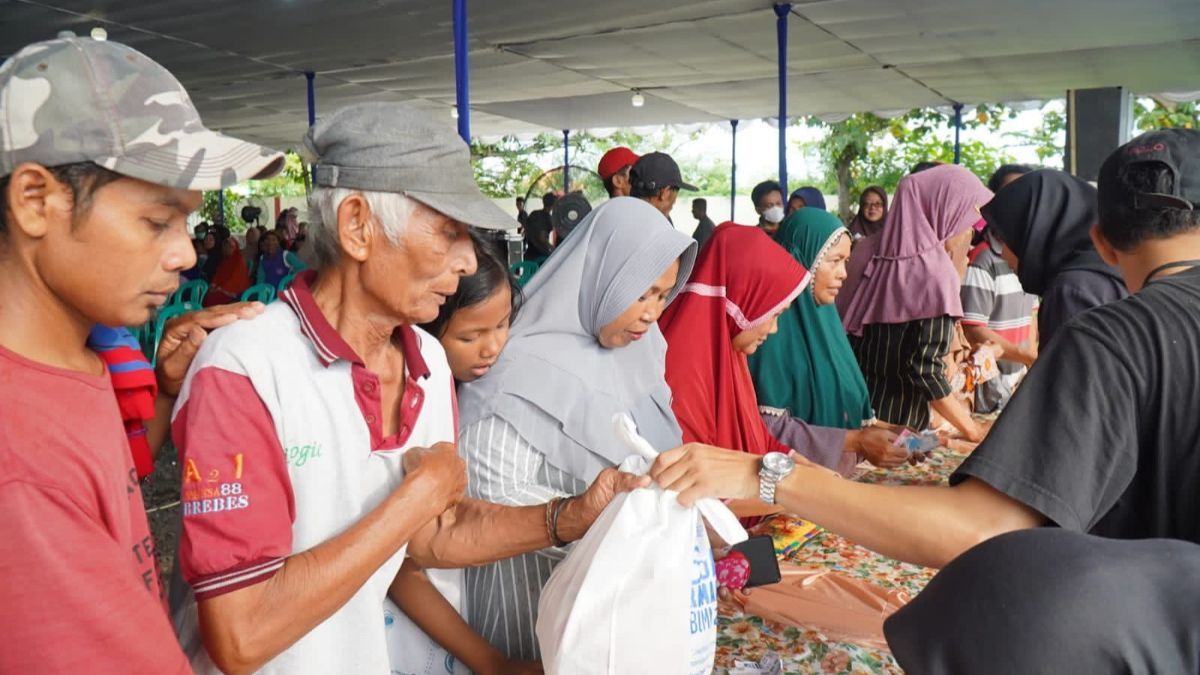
{"points": [[778, 463]]}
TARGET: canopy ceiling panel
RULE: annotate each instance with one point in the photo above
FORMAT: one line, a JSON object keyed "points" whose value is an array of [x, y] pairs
{"points": [[1161, 67], [495, 76], [819, 93], [549, 64], [586, 112], [723, 49], [908, 32]]}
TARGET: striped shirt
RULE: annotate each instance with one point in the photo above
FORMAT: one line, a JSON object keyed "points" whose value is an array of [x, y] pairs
{"points": [[904, 366], [503, 468], [992, 296]]}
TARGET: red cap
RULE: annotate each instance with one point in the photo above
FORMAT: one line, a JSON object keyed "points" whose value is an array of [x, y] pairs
{"points": [[616, 159]]}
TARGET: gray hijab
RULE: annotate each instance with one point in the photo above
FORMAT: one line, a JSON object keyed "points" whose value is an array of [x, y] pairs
{"points": [[554, 382]]}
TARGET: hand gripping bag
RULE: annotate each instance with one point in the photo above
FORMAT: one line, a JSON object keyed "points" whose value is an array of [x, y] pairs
{"points": [[638, 593]]}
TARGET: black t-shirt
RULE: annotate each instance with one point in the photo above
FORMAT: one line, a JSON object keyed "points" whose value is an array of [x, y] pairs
{"points": [[1046, 600], [1072, 292], [1103, 436]]}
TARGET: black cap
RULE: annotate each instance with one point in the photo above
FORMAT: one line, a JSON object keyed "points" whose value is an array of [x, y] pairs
{"points": [[655, 171], [1176, 149]]}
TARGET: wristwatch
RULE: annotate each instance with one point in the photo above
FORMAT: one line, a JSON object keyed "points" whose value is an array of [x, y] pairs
{"points": [[775, 465]]}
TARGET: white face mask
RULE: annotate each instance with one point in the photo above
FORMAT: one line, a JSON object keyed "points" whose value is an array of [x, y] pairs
{"points": [[773, 214]]}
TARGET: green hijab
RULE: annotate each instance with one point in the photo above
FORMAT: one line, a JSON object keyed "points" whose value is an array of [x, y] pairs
{"points": [[808, 367]]}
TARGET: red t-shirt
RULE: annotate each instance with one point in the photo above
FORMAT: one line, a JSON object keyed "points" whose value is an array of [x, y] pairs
{"points": [[79, 587]]}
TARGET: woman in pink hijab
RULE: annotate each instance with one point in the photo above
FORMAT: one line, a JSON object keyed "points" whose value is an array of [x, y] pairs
{"points": [[902, 314]]}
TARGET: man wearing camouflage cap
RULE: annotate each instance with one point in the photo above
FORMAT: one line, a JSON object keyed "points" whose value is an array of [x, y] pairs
{"points": [[102, 158], [333, 457]]}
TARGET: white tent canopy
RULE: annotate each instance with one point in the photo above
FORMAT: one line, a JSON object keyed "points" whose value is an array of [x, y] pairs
{"points": [[550, 65]]}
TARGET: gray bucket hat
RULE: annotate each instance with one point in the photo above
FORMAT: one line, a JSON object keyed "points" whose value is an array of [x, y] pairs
{"points": [[79, 100], [394, 147]]}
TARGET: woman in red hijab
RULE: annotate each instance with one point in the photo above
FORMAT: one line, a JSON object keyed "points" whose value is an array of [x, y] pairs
{"points": [[742, 282], [231, 277]]}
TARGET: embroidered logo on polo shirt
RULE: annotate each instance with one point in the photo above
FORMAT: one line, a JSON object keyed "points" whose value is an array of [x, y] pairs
{"points": [[298, 455], [208, 493]]}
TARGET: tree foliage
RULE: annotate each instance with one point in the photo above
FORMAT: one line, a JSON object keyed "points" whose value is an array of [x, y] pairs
{"points": [[865, 149], [508, 167], [291, 182], [210, 210], [1151, 113]]}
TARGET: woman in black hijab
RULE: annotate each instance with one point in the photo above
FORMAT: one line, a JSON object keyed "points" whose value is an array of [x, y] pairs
{"points": [[1041, 225], [1048, 600], [217, 253]]}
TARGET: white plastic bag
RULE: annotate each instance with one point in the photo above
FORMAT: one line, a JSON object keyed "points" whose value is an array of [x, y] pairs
{"points": [[638, 593]]}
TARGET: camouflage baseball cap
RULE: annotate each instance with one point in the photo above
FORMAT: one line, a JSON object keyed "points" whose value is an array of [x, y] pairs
{"points": [[80, 100]]}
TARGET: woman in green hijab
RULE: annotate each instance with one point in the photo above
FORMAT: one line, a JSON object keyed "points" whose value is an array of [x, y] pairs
{"points": [[807, 371]]}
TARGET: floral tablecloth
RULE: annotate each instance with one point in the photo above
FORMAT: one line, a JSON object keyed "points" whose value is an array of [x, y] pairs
{"points": [[749, 638]]}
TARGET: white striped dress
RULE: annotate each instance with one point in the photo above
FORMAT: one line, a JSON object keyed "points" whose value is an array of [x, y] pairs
{"points": [[502, 598]]}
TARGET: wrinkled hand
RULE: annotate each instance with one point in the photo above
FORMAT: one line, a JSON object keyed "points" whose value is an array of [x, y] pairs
{"points": [[695, 471], [440, 474], [183, 335], [581, 512], [879, 446]]}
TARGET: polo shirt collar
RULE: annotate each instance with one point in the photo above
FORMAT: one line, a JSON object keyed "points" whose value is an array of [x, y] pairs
{"points": [[330, 346]]}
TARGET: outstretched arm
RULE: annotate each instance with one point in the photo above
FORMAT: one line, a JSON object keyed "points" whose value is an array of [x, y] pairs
{"points": [[918, 524]]}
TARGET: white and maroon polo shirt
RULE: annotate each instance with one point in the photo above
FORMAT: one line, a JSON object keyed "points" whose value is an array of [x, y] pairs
{"points": [[281, 447]]}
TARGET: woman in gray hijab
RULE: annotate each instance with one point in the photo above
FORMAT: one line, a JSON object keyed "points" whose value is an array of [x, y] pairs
{"points": [[539, 425]]}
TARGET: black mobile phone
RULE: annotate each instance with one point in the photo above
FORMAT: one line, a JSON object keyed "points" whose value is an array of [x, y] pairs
{"points": [[764, 566]]}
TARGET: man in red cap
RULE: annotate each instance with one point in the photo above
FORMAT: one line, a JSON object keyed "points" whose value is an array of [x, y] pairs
{"points": [[614, 170]]}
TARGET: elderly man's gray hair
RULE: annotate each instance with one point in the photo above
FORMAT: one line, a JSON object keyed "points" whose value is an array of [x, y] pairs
{"points": [[391, 209]]}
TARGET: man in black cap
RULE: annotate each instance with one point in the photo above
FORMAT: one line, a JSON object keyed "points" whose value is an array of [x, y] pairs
{"points": [[655, 179], [1102, 435]]}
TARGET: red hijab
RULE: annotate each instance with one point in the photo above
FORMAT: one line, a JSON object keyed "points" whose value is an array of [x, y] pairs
{"points": [[232, 275], [742, 278]]}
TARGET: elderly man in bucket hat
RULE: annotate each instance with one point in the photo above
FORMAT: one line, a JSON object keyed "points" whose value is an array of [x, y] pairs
{"points": [[102, 158], [316, 440]]}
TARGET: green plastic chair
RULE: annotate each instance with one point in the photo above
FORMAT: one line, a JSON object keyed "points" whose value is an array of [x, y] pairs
{"points": [[286, 281], [164, 315], [523, 271], [264, 293], [190, 295]]}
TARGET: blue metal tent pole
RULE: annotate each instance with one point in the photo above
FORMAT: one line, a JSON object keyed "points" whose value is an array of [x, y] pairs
{"points": [[781, 28], [462, 79], [221, 205], [312, 110], [733, 172], [957, 133], [566, 161], [312, 97]]}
